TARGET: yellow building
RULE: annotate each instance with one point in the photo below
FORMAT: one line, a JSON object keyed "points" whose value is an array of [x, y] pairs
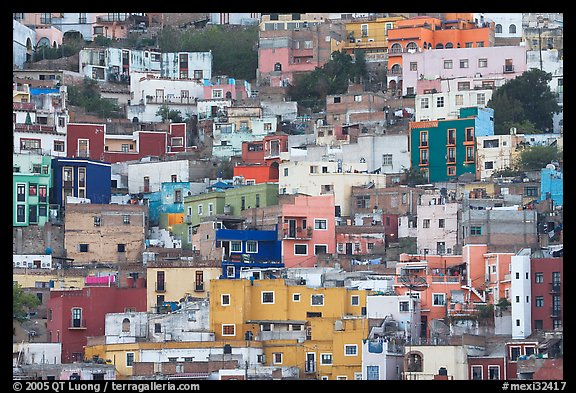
{"points": [[371, 36], [318, 330], [170, 281]]}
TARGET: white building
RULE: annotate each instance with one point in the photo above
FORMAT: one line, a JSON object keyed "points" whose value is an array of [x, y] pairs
{"points": [[36, 353], [150, 91], [401, 309], [326, 177], [447, 102], [437, 228], [228, 137], [520, 294], [32, 261], [23, 44], [381, 153], [506, 25], [148, 176]]}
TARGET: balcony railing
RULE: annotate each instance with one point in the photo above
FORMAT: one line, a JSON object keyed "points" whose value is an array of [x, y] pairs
{"points": [[556, 312], [77, 324], [298, 234]]}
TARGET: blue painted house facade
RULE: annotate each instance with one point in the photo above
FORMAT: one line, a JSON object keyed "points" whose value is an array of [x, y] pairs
{"points": [[552, 185], [249, 249], [81, 178]]}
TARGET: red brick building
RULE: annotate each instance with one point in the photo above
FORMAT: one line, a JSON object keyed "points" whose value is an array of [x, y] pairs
{"points": [[547, 293]]}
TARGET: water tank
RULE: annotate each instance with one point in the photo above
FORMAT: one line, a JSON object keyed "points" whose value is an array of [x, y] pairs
{"points": [[442, 371], [227, 349]]}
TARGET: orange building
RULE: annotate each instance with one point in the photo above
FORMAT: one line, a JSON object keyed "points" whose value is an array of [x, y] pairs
{"points": [[426, 33], [257, 173]]}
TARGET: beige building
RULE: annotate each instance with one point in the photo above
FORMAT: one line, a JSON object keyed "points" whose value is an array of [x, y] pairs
{"points": [[423, 362], [105, 233], [327, 177], [496, 152], [171, 281]]}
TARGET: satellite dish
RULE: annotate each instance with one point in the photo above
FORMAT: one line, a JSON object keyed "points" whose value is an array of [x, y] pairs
{"points": [[550, 166]]}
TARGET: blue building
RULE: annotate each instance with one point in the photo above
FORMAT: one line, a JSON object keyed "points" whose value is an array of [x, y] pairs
{"points": [[81, 178], [552, 185], [249, 249]]}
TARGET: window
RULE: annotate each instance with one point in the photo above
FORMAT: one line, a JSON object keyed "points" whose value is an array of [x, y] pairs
{"points": [[459, 99], [514, 353], [225, 299], [423, 138], [370, 246], [277, 358], [469, 154], [424, 103], [355, 300], [320, 249], [480, 44], [97, 221], [300, 249], [439, 299], [451, 155], [494, 372], [267, 297], [129, 359], [236, 246], [539, 278], [512, 29], [200, 209], [413, 66], [480, 99], [295, 297], [228, 330], [482, 63], [463, 86], [21, 192], [363, 201], [441, 223], [477, 373], [424, 157], [317, 300], [386, 159], [447, 64], [121, 247], [475, 231], [426, 223], [157, 328], [539, 301], [404, 306], [285, 171], [230, 271], [414, 362], [320, 224], [463, 63], [325, 359], [439, 102], [83, 247], [350, 349], [251, 246], [531, 191], [126, 219]]}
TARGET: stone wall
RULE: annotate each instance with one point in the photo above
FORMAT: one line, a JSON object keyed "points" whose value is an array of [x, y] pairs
{"points": [[34, 239]]}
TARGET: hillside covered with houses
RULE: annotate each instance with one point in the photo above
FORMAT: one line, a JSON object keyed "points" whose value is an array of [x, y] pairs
{"points": [[301, 196]]}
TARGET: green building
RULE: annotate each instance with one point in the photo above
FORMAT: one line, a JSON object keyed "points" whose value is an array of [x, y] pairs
{"points": [[231, 202], [446, 149], [32, 180]]}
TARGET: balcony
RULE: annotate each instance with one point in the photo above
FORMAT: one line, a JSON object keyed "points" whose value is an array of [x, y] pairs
{"points": [[161, 286], [77, 324], [298, 234], [556, 312]]}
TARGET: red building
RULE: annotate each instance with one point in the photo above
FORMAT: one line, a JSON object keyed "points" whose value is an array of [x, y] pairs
{"points": [[85, 140], [257, 173], [260, 159], [514, 351], [75, 314], [547, 293], [486, 368]]}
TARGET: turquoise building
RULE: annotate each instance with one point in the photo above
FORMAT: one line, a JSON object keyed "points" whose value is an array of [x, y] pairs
{"points": [[32, 181], [446, 149]]}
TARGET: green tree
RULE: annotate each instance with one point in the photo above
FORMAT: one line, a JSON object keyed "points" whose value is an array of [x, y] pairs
{"points": [[534, 158], [525, 98], [88, 97], [22, 302], [169, 114], [412, 177]]}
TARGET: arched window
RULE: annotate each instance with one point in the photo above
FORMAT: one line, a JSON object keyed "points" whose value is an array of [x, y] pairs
{"points": [[125, 325], [396, 69], [228, 95], [277, 67], [396, 48], [449, 45], [429, 45], [498, 28], [512, 29], [412, 47], [439, 46], [414, 361]]}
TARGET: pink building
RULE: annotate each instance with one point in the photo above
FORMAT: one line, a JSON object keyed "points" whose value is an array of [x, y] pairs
{"points": [[487, 63], [224, 87], [307, 228]]}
